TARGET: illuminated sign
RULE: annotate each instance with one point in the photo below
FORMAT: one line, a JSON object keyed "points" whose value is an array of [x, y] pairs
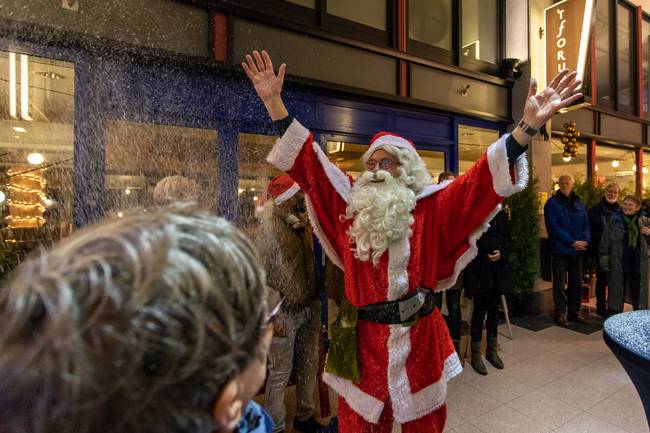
{"points": [[567, 27]]}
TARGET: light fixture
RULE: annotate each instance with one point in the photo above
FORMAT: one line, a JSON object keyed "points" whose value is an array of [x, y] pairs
{"points": [[2, 197], [24, 87], [566, 158], [49, 74], [645, 170], [120, 214], [615, 163], [19, 129], [634, 168], [254, 198], [35, 158], [596, 167], [13, 97], [240, 190], [127, 191]]}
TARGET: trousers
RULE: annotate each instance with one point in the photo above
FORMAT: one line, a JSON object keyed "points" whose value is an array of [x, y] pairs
{"points": [[485, 304], [567, 301]]}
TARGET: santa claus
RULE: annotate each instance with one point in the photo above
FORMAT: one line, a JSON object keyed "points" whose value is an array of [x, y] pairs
{"points": [[399, 238]]}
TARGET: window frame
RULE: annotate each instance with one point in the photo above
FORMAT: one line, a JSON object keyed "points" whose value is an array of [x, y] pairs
{"points": [[614, 54]]}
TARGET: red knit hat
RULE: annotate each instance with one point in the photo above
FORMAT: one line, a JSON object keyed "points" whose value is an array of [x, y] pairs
{"points": [[383, 138], [281, 189]]}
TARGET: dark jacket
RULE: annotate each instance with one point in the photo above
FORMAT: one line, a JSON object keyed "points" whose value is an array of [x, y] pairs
{"points": [[483, 275], [598, 217], [566, 222], [612, 244]]}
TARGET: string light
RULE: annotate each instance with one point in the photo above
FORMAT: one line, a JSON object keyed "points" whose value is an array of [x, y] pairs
{"points": [[18, 219], [29, 176], [25, 205], [19, 188]]}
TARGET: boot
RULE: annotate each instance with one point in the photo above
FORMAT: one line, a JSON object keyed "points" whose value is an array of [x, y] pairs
{"points": [[460, 355], [477, 360], [492, 355]]}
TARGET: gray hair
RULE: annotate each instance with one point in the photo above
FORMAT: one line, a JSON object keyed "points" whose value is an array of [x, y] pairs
{"points": [[566, 176], [175, 189], [134, 325]]}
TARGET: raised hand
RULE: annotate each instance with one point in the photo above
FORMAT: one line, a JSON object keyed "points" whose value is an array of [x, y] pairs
{"points": [[560, 93], [259, 69]]}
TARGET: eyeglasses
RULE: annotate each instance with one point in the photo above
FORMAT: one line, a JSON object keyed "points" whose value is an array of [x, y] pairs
{"points": [[383, 164]]}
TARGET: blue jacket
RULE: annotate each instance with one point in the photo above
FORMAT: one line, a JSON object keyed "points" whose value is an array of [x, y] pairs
{"points": [[566, 222]]}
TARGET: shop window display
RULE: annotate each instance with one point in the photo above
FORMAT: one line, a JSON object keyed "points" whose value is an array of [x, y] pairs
{"points": [[616, 164], [576, 165], [472, 144], [36, 141], [139, 155]]}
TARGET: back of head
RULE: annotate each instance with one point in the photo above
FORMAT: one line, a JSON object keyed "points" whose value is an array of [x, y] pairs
{"points": [[446, 175], [175, 189], [133, 325]]}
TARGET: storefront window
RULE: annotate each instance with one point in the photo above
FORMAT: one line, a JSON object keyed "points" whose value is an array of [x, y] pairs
{"points": [[645, 37], [576, 166], [604, 90], [615, 164], [479, 30], [139, 155], [625, 67], [371, 13], [472, 144], [37, 148], [646, 174], [254, 174], [347, 157], [430, 22]]}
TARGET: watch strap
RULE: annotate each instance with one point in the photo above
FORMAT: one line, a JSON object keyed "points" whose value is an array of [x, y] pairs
{"points": [[527, 128]]}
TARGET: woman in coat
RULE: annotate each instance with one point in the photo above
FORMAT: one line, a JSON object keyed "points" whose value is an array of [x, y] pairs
{"points": [[487, 277], [623, 254]]}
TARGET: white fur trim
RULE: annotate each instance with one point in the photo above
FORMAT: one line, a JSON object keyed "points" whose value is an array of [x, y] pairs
{"points": [[399, 253], [390, 140], [430, 189], [468, 255], [286, 148], [500, 169], [287, 194], [337, 178], [318, 230], [367, 406]]}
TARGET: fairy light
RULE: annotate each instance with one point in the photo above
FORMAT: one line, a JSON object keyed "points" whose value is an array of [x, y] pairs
{"points": [[12, 218], [19, 188], [25, 205], [26, 198]]}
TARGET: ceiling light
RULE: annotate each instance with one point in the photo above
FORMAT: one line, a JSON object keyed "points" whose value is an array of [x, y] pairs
{"points": [[645, 170], [615, 163], [634, 167], [120, 214], [596, 167], [127, 191], [2, 197], [49, 74], [566, 158], [13, 95], [24, 87], [35, 158], [19, 129]]}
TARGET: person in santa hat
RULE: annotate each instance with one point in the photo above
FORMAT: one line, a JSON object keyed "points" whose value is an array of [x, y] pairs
{"points": [[398, 238], [288, 254]]}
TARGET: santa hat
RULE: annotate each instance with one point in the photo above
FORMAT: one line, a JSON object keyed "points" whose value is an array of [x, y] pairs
{"points": [[383, 139], [281, 189]]}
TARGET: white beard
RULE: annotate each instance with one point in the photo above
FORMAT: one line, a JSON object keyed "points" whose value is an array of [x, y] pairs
{"points": [[381, 213]]}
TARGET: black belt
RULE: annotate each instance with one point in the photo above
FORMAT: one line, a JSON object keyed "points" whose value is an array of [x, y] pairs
{"points": [[404, 311]]}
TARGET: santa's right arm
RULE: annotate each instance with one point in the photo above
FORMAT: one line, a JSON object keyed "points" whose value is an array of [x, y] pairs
{"points": [[325, 185]]}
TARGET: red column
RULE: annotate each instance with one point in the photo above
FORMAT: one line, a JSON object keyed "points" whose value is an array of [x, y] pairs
{"points": [[402, 36], [639, 60], [591, 163], [220, 48]]}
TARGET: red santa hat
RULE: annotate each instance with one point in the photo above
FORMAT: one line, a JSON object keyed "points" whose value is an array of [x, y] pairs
{"points": [[383, 139], [281, 189]]}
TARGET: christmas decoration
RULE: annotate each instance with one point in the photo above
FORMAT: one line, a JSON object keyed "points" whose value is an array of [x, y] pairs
{"points": [[26, 197], [570, 140]]}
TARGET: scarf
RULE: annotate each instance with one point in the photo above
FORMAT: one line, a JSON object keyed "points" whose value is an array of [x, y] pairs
{"points": [[632, 229]]}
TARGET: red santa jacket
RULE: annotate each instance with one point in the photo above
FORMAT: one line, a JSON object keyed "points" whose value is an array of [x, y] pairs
{"points": [[408, 366]]}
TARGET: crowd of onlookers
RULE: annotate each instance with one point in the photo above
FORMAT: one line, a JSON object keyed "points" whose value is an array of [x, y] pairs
{"points": [[611, 237]]}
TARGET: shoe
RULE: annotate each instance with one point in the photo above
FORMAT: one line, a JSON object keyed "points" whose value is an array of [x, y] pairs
{"points": [[310, 425], [460, 355], [477, 360], [492, 355], [578, 319], [560, 320]]}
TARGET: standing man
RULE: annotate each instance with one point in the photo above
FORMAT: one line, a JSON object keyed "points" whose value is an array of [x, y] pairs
{"points": [[599, 215], [288, 255], [567, 225], [398, 238]]}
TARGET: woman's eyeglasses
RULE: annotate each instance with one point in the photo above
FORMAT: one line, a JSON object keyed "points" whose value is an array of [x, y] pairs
{"points": [[383, 164]]}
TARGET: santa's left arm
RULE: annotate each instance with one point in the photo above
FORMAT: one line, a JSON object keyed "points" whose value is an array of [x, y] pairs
{"points": [[460, 212]]}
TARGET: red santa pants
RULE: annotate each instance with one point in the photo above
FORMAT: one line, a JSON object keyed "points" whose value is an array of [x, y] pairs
{"points": [[351, 422]]}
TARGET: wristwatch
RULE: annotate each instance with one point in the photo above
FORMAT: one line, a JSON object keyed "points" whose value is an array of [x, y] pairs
{"points": [[527, 128]]}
